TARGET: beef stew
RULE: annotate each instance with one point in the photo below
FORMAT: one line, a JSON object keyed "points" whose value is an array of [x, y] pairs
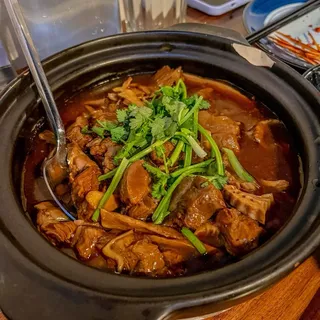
{"points": [[178, 152]]}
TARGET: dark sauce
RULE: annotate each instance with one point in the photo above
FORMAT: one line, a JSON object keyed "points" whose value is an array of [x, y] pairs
{"points": [[280, 162]]}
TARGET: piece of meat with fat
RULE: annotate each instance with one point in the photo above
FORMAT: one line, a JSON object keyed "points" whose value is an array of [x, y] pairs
{"points": [[196, 201], [209, 233], [274, 186], [151, 260], [262, 132], [78, 161], [134, 185], [225, 100], [167, 76], [225, 131], [111, 152], [54, 224], [90, 240], [143, 209], [74, 134], [168, 148], [118, 250], [113, 220], [176, 251], [251, 205], [241, 233], [83, 183], [104, 150], [250, 187], [83, 175], [218, 87], [135, 253]]}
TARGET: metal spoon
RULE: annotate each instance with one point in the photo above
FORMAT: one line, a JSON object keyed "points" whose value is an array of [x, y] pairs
{"points": [[55, 168]]}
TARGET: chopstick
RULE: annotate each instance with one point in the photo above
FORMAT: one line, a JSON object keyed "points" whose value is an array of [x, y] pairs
{"points": [[262, 33]]}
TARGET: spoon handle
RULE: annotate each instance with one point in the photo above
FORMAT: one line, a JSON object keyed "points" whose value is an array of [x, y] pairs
{"points": [[40, 79]]}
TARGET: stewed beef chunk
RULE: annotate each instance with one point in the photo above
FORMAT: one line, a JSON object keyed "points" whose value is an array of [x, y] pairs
{"points": [[240, 233], [74, 132], [143, 209], [194, 202], [84, 174], [54, 224], [225, 131], [90, 240]]}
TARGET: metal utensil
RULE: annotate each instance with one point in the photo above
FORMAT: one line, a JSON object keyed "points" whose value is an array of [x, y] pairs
{"points": [[55, 168]]}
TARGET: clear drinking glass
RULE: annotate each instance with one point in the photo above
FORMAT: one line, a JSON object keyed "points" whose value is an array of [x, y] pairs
{"points": [[138, 15]]}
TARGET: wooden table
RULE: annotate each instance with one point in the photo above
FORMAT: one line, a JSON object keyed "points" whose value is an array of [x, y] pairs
{"points": [[298, 295]]}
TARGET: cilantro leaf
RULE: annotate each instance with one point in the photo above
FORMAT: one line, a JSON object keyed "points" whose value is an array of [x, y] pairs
{"points": [[132, 107], [85, 130], [139, 116], [137, 122], [217, 180], [99, 131], [175, 108], [107, 125], [204, 105], [118, 133], [159, 181], [122, 115], [157, 128], [167, 91]]}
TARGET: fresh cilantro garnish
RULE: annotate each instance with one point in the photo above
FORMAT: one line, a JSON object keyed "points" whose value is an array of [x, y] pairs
{"points": [[204, 105], [99, 131], [85, 130], [159, 181], [158, 128], [122, 115], [118, 134], [217, 180], [139, 116]]}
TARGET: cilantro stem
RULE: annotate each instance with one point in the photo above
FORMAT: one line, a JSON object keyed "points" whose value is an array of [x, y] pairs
{"points": [[108, 175], [237, 167], [192, 111], [162, 210], [194, 240], [198, 165], [113, 185], [148, 150], [187, 134], [184, 88], [176, 153], [195, 123], [136, 157], [215, 152], [188, 156]]}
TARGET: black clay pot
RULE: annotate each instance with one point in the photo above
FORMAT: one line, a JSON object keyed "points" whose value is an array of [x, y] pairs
{"points": [[39, 282]]}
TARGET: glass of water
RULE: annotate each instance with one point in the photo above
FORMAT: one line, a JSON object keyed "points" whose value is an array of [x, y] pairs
{"points": [[139, 15]]}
